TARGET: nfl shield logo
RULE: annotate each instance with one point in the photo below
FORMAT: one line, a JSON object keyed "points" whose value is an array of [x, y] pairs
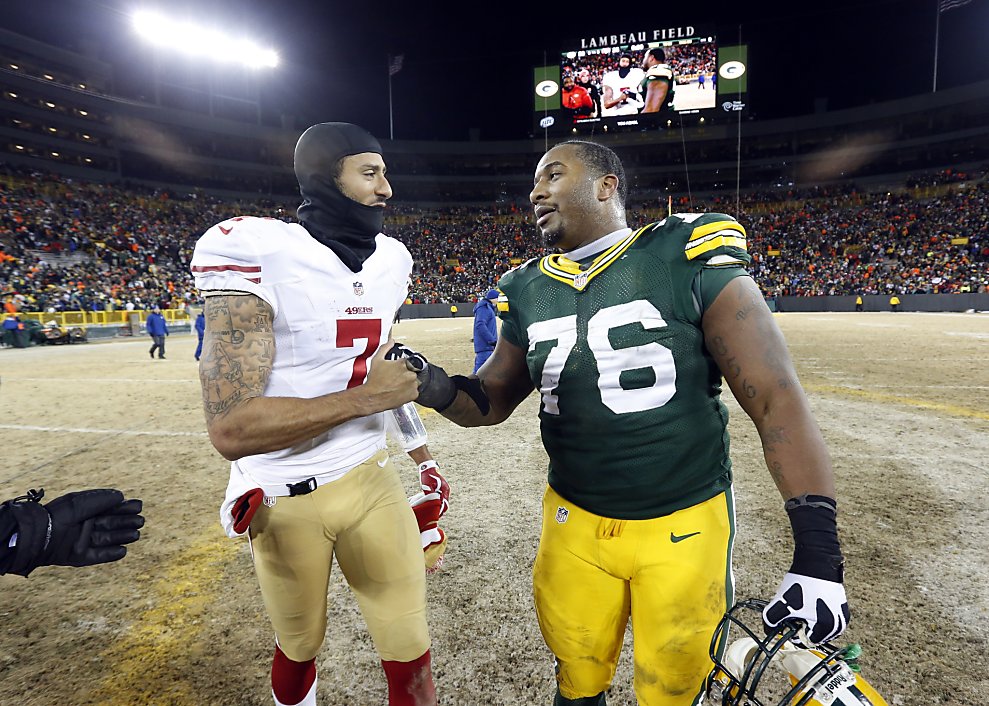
{"points": [[562, 514], [580, 281], [269, 501], [359, 288]]}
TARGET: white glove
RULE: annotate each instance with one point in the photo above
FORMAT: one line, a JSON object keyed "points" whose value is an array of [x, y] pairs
{"points": [[820, 605]]}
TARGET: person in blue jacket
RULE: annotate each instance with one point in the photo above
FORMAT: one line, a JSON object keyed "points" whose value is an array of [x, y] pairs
{"points": [[485, 328], [200, 331], [157, 329]]}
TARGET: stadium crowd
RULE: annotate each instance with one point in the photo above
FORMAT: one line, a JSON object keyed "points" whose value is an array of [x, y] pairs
{"points": [[69, 245]]}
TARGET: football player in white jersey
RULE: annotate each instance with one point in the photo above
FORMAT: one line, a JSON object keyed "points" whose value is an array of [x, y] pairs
{"points": [[621, 89], [295, 380]]}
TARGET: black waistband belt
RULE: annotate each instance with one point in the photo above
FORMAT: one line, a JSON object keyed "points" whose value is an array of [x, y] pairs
{"points": [[303, 487]]}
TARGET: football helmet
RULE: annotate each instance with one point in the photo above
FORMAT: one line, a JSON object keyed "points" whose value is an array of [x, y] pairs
{"points": [[825, 675]]}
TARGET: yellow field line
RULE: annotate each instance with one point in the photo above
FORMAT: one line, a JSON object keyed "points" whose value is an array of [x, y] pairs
{"points": [[153, 661], [872, 396]]}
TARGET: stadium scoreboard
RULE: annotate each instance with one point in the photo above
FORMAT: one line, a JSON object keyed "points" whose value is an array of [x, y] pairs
{"points": [[572, 94]]}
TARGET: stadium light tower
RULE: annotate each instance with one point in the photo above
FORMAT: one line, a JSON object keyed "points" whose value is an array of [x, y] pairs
{"points": [[224, 73]]}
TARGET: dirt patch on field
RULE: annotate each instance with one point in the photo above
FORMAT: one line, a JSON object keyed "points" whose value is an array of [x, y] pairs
{"points": [[903, 400]]}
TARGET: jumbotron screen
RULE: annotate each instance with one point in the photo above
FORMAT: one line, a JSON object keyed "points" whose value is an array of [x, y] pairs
{"points": [[605, 79]]}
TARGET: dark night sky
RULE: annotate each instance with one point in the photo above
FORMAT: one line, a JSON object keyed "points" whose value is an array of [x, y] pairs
{"points": [[462, 72]]}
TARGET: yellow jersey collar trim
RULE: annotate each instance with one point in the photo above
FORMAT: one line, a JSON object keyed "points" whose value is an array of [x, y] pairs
{"points": [[563, 269]]}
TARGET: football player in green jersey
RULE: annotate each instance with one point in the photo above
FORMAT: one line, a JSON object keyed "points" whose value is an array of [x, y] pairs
{"points": [[657, 84], [627, 335]]}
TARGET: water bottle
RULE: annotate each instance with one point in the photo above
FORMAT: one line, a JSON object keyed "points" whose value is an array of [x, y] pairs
{"points": [[405, 426]]}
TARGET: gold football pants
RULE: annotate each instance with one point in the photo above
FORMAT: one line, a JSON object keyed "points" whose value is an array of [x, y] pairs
{"points": [[365, 520], [670, 574]]}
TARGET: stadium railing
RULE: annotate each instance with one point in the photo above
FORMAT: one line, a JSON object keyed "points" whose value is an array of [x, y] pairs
{"points": [[121, 322]]}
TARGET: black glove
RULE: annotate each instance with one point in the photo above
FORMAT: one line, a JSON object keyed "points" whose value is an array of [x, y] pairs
{"points": [[436, 388], [812, 591], [76, 529]]}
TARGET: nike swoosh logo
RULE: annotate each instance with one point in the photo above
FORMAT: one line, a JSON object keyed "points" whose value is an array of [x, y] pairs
{"points": [[225, 231], [381, 464], [674, 538]]}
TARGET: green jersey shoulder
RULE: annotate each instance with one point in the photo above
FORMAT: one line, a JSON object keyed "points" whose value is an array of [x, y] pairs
{"points": [[685, 242]]}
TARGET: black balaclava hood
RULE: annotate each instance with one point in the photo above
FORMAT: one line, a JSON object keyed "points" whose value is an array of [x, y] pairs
{"points": [[622, 73], [344, 226]]}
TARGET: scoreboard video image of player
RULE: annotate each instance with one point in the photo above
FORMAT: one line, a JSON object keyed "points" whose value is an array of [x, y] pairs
{"points": [[605, 80]]}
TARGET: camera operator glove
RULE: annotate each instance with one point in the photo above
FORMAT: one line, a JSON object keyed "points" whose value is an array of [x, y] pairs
{"points": [[76, 529], [812, 591]]}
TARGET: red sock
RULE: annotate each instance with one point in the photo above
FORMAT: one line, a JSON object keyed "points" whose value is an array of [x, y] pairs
{"points": [[290, 680], [410, 683]]}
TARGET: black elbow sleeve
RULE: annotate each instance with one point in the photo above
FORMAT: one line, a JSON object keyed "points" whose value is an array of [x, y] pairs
{"points": [[472, 386]]}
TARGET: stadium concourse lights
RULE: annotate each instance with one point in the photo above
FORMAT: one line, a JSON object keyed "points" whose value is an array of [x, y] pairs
{"points": [[192, 39]]}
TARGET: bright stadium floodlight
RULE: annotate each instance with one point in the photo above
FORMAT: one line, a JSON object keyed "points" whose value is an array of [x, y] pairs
{"points": [[201, 41]]}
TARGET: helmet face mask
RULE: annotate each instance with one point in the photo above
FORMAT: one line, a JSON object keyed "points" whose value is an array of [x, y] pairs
{"points": [[749, 666]]}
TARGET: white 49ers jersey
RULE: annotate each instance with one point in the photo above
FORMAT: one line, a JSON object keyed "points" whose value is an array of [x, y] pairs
{"points": [[619, 85], [328, 323]]}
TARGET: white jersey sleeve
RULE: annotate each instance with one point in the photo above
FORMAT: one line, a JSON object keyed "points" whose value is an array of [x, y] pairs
{"points": [[229, 257]]}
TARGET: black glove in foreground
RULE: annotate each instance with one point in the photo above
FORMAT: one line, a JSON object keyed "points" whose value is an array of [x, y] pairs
{"points": [[77, 529]]}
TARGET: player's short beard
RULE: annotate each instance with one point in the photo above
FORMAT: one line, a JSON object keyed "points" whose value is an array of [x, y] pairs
{"points": [[579, 200], [551, 239]]}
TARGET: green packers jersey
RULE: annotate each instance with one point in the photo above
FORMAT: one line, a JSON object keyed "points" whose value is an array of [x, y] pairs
{"points": [[631, 414], [659, 72]]}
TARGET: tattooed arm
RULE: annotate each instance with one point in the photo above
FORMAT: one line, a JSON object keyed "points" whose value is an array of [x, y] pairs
{"points": [[750, 350], [238, 352]]}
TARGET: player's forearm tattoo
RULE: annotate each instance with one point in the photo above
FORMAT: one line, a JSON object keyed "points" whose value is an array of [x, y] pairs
{"points": [[238, 352], [773, 436], [776, 471]]}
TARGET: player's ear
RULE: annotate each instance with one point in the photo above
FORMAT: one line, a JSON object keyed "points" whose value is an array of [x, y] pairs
{"points": [[607, 187]]}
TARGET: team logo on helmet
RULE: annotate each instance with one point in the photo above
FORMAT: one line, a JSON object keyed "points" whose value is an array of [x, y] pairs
{"points": [[760, 669], [562, 514], [359, 288]]}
